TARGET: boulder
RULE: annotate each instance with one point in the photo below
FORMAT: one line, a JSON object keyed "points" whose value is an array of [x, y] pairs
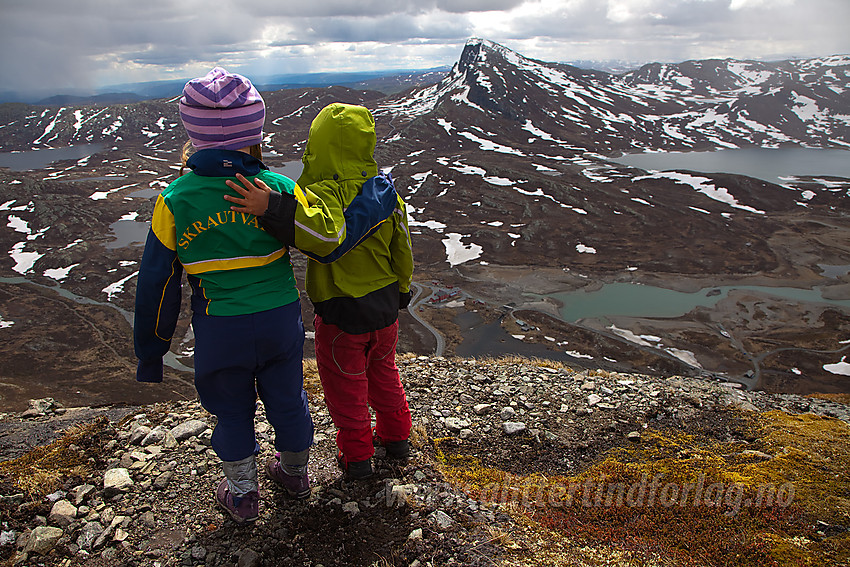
{"points": [[62, 513], [187, 429], [42, 539], [116, 481]]}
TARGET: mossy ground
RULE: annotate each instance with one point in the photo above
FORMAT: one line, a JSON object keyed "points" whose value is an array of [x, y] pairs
{"points": [[74, 455], [678, 498]]}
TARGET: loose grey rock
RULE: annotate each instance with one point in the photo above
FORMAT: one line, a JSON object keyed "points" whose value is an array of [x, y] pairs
{"points": [[513, 427], [120, 534], [249, 558], [441, 519], [62, 513], [415, 534], [633, 436], [42, 539], [113, 527], [188, 429], [82, 492], [89, 534], [593, 399], [481, 409], [351, 507], [116, 481], [457, 423], [138, 434], [170, 442]]}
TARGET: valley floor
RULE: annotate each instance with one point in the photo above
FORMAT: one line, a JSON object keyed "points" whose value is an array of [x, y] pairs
{"points": [[750, 337]]}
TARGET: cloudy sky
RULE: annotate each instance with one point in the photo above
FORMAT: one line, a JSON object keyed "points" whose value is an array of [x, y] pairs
{"points": [[59, 45]]}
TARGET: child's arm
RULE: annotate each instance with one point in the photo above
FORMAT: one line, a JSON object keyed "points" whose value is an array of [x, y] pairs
{"points": [[316, 221], [401, 252], [157, 295]]}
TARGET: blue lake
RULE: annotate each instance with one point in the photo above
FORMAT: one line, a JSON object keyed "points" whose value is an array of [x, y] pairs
{"points": [[762, 163], [39, 159], [291, 169], [128, 233], [636, 300]]}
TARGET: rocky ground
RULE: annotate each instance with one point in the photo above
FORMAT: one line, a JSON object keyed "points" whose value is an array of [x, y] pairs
{"points": [[509, 468]]}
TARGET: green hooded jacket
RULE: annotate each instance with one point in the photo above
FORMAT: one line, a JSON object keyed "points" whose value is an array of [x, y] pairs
{"points": [[359, 292]]}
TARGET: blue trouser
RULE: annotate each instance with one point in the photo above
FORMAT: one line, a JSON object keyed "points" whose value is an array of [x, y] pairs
{"points": [[238, 357]]}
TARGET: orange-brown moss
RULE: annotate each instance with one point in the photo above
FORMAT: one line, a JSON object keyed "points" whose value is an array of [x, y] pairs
{"points": [[44, 469], [838, 398], [692, 499], [312, 384]]}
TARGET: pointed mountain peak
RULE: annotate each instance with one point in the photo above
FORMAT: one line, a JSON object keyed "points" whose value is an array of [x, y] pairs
{"points": [[476, 50]]}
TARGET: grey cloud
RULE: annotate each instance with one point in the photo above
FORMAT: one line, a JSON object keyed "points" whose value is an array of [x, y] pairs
{"points": [[463, 6], [389, 29], [59, 44], [695, 29], [375, 8]]}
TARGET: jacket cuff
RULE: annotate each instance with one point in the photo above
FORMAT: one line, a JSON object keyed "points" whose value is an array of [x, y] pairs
{"points": [[279, 218], [149, 370]]}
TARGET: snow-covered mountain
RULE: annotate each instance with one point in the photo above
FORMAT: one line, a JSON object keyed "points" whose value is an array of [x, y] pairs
{"points": [[691, 105]]}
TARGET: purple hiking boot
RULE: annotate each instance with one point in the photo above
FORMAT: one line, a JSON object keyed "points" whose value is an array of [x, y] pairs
{"points": [[297, 486], [242, 509]]}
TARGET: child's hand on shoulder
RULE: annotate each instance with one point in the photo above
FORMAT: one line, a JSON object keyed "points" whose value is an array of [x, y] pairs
{"points": [[254, 197]]}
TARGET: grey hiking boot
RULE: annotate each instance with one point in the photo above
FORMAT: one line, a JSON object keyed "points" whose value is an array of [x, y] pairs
{"points": [[242, 509], [297, 486]]}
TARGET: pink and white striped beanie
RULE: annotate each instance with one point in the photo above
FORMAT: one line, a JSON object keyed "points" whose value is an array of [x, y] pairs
{"points": [[222, 110]]}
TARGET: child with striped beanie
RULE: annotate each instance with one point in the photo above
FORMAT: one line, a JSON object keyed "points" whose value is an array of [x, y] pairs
{"points": [[249, 334], [222, 110]]}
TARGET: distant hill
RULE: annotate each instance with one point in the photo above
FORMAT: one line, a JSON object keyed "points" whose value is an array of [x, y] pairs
{"points": [[386, 81], [106, 98]]}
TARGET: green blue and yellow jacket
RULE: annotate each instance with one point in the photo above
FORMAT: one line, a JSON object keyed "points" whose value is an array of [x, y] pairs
{"points": [[233, 266], [361, 287]]}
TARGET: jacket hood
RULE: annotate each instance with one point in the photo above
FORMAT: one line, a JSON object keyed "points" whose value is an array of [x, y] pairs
{"points": [[340, 145]]}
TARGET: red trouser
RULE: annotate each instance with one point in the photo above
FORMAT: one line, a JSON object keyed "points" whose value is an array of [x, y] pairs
{"points": [[358, 371]]}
